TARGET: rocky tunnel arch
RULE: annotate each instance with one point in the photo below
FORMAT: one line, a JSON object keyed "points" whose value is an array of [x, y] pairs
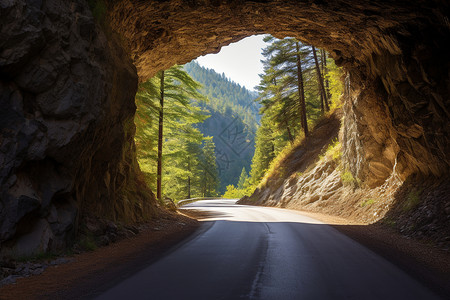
{"points": [[69, 72], [393, 54]]}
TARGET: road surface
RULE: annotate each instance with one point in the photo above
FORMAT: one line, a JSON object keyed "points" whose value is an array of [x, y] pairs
{"points": [[247, 252]]}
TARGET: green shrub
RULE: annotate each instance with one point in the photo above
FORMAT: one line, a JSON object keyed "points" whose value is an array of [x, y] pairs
{"points": [[412, 200], [333, 151], [232, 192], [37, 257], [98, 9], [366, 202], [347, 177], [88, 242], [276, 167]]}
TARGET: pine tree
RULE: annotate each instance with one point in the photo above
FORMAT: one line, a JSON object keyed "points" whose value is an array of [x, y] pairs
{"points": [[160, 135], [323, 58], [208, 169], [264, 150], [172, 98], [146, 113], [323, 94], [301, 89], [293, 94], [242, 179], [282, 83]]}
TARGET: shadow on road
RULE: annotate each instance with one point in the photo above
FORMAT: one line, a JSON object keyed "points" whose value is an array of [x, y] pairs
{"points": [[203, 214]]}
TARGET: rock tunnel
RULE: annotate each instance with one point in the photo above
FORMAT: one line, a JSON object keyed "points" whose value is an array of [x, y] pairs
{"points": [[69, 72]]}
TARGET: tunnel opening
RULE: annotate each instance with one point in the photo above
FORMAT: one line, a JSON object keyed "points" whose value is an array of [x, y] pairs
{"points": [[381, 53], [82, 82], [234, 112]]}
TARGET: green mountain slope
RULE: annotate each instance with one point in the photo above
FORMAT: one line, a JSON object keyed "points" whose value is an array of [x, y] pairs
{"points": [[233, 122]]}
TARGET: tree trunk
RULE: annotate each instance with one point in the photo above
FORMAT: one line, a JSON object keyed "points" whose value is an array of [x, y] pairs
{"points": [[189, 179], [320, 79], [325, 72], [322, 104], [301, 92], [204, 184], [291, 138], [160, 140]]}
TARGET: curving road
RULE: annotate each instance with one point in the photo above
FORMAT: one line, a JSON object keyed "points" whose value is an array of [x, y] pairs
{"points": [[247, 252]]}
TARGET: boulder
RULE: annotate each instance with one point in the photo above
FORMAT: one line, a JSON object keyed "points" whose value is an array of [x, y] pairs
{"points": [[37, 241]]}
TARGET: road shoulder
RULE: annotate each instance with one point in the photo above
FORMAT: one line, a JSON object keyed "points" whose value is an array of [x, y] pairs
{"points": [[90, 273], [426, 263]]}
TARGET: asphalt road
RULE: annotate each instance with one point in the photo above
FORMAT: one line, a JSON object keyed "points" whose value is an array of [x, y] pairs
{"points": [[246, 252]]}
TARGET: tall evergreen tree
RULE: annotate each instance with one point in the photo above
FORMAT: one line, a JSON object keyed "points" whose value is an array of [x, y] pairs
{"points": [[301, 89], [173, 99], [323, 94], [323, 58], [264, 150], [293, 94], [160, 135], [242, 179], [282, 83], [209, 180]]}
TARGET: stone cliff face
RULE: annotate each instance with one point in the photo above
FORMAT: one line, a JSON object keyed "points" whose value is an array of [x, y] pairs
{"points": [[66, 125], [67, 94]]}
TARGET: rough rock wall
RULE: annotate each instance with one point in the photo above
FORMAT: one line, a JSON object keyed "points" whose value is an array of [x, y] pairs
{"points": [[66, 125], [397, 116]]}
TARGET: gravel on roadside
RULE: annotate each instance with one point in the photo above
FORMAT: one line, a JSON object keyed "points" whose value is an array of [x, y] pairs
{"points": [[87, 274]]}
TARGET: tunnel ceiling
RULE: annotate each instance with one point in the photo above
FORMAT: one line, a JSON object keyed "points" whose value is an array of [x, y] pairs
{"points": [[161, 33], [393, 53]]}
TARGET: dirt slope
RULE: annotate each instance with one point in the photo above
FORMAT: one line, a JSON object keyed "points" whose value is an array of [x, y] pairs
{"points": [[314, 178]]}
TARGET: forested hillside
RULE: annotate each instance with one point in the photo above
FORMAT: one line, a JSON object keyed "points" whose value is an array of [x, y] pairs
{"points": [[178, 161], [224, 137], [233, 122], [299, 87], [225, 96]]}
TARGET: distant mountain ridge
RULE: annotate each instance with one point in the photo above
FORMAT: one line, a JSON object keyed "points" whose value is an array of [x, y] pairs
{"points": [[233, 122], [224, 93]]}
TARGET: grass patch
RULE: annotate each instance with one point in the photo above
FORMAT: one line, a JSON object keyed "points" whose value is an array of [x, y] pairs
{"points": [[347, 177], [98, 9], [412, 200], [367, 202], [389, 222], [87, 242], [275, 167], [333, 151], [38, 257]]}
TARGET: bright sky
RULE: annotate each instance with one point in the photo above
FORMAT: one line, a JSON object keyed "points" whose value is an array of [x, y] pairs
{"points": [[239, 61]]}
